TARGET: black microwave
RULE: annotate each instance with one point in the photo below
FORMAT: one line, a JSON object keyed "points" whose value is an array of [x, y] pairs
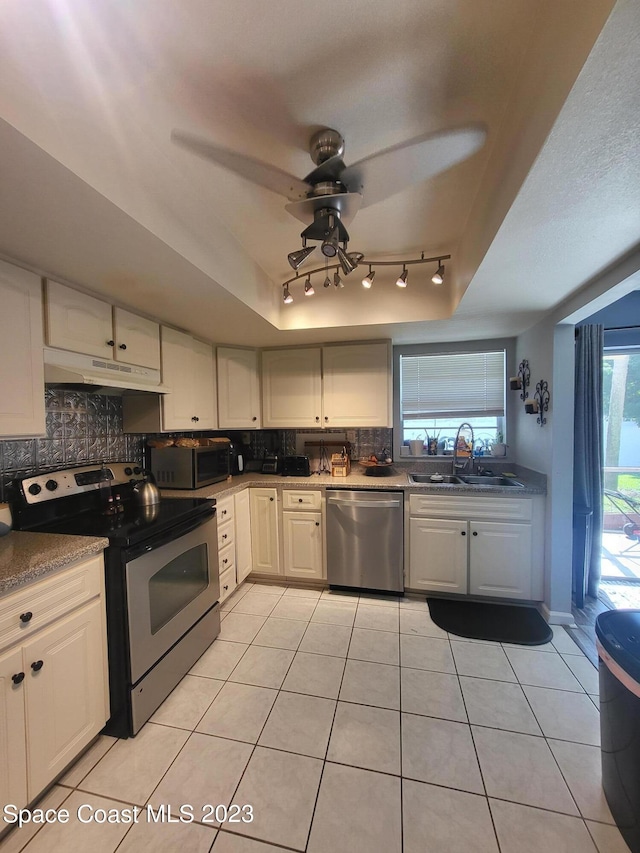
{"points": [[190, 467]]}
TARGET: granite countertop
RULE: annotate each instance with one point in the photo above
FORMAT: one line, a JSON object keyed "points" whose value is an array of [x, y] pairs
{"points": [[356, 480], [27, 557]]}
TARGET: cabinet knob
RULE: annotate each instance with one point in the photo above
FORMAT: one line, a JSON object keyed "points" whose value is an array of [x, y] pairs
{"points": [[194, 418], [225, 561], [226, 586], [224, 536], [254, 419], [37, 665], [122, 346], [317, 524], [26, 617], [463, 532], [111, 343], [475, 533], [326, 418], [270, 499], [317, 420], [18, 678], [299, 500]]}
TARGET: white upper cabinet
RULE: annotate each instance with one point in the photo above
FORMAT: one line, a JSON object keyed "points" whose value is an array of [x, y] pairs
{"points": [[82, 323], [238, 388], [356, 385], [137, 340], [291, 388], [21, 364], [78, 322], [187, 369]]}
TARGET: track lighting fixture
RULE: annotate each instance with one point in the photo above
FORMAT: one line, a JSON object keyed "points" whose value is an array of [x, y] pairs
{"points": [[367, 281], [296, 259], [438, 276], [346, 262]]}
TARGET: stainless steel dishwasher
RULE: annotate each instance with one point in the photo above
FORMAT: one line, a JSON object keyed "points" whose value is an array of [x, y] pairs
{"points": [[365, 539]]}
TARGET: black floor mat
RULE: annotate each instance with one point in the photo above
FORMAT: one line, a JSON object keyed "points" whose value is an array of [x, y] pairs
{"points": [[477, 620]]}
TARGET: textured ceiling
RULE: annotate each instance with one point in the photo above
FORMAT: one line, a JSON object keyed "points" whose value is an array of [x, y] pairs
{"points": [[94, 191]]}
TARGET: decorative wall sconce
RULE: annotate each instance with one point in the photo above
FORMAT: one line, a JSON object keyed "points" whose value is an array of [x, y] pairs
{"points": [[522, 381], [539, 403]]}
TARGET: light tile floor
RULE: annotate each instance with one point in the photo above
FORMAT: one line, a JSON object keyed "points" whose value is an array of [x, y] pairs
{"points": [[352, 723]]}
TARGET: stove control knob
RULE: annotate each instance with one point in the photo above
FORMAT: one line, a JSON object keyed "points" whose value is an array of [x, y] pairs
{"points": [[51, 485], [128, 471], [137, 470], [35, 489]]}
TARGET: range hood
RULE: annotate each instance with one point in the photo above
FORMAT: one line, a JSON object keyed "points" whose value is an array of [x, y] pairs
{"points": [[97, 374]]}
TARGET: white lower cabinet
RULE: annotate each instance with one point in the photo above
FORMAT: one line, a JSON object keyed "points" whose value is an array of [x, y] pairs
{"points": [[226, 546], [438, 555], [302, 535], [265, 547], [476, 546], [53, 680], [242, 519]]}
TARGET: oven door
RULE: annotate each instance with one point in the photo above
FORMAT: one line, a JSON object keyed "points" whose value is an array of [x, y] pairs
{"points": [[169, 587]]}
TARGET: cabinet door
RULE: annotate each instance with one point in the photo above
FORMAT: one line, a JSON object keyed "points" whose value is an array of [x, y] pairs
{"points": [[137, 339], [291, 388], [205, 397], [238, 389], [13, 750], [265, 549], [65, 697], [500, 559], [22, 372], [78, 322], [243, 534], [177, 373], [302, 534], [438, 554], [356, 385]]}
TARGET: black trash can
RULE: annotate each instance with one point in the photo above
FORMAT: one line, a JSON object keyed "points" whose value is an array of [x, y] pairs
{"points": [[618, 641]]}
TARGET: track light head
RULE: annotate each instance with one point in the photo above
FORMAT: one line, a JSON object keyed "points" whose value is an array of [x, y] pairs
{"points": [[287, 298], [438, 276], [367, 281], [308, 287], [337, 280], [297, 258], [401, 281], [327, 281], [347, 264], [331, 244]]}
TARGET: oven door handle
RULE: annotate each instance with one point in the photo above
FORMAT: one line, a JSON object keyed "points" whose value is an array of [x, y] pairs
{"points": [[170, 536]]}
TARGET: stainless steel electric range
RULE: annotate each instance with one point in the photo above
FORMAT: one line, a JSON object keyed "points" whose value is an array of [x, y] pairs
{"points": [[161, 576]]}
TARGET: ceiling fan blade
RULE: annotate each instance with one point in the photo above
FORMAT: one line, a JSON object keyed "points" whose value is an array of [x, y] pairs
{"points": [[255, 171], [388, 172]]}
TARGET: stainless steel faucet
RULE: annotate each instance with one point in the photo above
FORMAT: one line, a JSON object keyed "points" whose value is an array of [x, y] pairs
{"points": [[456, 466]]}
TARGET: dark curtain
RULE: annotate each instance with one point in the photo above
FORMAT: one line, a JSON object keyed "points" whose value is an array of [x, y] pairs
{"points": [[587, 463]]}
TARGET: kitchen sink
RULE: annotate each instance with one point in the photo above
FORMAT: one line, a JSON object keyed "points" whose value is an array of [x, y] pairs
{"points": [[481, 480], [426, 478]]}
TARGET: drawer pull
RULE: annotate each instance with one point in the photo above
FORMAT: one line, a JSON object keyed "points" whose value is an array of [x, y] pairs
{"points": [[254, 419], [475, 533], [37, 665], [224, 536], [18, 678], [463, 532], [226, 587], [26, 617], [225, 561]]}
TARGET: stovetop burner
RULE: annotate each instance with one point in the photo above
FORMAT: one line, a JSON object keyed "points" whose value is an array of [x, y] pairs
{"points": [[74, 506]]}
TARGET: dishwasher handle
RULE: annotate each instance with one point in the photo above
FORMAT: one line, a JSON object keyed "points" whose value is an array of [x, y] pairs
{"points": [[374, 504]]}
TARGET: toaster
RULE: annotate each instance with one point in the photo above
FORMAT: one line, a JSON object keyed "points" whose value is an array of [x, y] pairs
{"points": [[296, 466]]}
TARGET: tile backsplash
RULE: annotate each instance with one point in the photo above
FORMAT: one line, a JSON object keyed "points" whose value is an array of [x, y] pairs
{"points": [[82, 427]]}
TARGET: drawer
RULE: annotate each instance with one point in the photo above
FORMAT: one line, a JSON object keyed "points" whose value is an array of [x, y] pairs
{"points": [[48, 599], [227, 583], [227, 559], [301, 499], [224, 510], [491, 509], [225, 534]]}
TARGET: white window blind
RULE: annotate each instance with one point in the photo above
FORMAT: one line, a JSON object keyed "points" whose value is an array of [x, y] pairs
{"points": [[452, 384]]}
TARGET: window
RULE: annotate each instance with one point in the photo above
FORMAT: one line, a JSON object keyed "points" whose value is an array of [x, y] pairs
{"points": [[438, 391]]}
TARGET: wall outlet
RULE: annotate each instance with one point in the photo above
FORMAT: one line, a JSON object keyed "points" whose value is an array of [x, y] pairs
{"points": [[351, 436]]}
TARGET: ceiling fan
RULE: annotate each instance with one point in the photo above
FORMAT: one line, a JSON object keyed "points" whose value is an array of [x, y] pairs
{"points": [[328, 198]]}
